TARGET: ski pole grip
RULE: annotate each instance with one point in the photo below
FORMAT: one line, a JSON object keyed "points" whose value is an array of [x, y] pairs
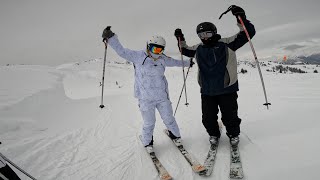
{"points": [[229, 9], [104, 39]]}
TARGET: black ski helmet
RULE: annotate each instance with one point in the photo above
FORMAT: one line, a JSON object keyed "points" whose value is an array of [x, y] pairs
{"points": [[205, 27]]}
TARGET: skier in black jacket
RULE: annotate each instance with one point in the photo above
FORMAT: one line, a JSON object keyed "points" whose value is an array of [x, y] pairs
{"points": [[217, 75]]}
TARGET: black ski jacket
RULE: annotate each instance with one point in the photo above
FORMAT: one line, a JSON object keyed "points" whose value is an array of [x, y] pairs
{"points": [[217, 62]]}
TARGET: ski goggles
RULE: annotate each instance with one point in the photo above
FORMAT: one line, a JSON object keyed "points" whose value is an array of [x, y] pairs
{"points": [[156, 49], [205, 35]]}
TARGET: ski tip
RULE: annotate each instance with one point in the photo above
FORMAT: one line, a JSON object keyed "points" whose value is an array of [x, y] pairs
{"points": [[166, 177], [198, 168]]}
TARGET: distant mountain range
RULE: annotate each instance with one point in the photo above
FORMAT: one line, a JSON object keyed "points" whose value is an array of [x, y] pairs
{"points": [[311, 59]]}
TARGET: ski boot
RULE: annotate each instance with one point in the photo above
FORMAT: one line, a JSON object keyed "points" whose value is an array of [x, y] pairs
{"points": [[176, 140], [234, 141], [214, 140], [149, 147]]}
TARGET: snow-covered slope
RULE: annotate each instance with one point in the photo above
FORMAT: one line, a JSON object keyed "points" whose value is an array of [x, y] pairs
{"points": [[51, 124]]}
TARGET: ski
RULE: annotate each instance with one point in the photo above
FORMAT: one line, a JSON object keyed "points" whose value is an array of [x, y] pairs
{"points": [[209, 161], [195, 165], [163, 173], [236, 171]]}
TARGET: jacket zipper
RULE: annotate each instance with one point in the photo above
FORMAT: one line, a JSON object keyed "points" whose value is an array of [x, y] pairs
{"points": [[214, 55]]}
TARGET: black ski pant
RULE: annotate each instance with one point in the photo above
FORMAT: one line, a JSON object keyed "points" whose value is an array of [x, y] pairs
{"points": [[8, 173], [227, 103]]}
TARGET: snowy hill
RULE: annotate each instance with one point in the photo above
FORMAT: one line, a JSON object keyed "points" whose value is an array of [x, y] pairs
{"points": [[51, 124], [311, 59], [301, 59]]}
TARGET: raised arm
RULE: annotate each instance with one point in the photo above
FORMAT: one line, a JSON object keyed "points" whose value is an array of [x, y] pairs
{"points": [[240, 39], [186, 50], [127, 54]]}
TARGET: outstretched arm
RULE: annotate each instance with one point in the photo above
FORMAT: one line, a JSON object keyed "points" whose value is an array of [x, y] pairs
{"points": [[113, 41], [127, 54], [171, 62]]}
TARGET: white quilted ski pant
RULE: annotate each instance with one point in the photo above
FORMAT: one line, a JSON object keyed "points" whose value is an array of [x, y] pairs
{"points": [[147, 109]]}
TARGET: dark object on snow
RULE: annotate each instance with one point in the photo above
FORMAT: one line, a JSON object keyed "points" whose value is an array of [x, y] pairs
{"points": [[9, 173]]}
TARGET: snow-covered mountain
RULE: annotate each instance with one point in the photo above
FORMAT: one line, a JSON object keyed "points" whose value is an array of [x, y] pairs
{"points": [[296, 52], [311, 59], [51, 124]]}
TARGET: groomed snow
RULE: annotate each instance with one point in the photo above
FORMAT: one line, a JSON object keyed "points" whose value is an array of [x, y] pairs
{"points": [[51, 124]]}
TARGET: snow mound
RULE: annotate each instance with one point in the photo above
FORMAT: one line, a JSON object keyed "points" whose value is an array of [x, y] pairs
{"points": [[19, 82]]}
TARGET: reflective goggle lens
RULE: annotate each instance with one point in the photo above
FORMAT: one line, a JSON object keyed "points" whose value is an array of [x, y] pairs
{"points": [[155, 50], [205, 35]]}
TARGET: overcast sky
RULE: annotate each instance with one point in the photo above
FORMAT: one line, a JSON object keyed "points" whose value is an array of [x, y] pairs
{"points": [[63, 31]]}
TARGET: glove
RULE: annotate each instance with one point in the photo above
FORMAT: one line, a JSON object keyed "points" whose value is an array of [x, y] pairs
{"points": [[191, 63], [178, 34], [238, 11], [107, 33]]}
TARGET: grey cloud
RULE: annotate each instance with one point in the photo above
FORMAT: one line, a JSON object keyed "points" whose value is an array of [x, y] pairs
{"points": [[56, 32], [293, 47]]}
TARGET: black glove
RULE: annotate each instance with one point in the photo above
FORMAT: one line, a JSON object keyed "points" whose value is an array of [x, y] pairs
{"points": [[107, 33], [238, 11], [178, 34], [191, 62]]}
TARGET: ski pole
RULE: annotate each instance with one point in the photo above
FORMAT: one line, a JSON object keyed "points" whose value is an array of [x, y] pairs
{"points": [[105, 41], [184, 84], [17, 167], [254, 54], [257, 62], [184, 77]]}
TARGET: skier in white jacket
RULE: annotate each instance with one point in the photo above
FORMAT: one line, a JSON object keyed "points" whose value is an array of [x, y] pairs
{"points": [[151, 86]]}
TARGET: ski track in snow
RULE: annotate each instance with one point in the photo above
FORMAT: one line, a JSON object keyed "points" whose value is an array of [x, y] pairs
{"points": [[72, 138], [83, 153]]}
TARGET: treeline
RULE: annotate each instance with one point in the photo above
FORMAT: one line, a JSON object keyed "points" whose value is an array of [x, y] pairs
{"points": [[285, 69]]}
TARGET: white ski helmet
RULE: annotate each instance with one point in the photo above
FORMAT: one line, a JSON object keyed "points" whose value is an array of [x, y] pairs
{"points": [[157, 40]]}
